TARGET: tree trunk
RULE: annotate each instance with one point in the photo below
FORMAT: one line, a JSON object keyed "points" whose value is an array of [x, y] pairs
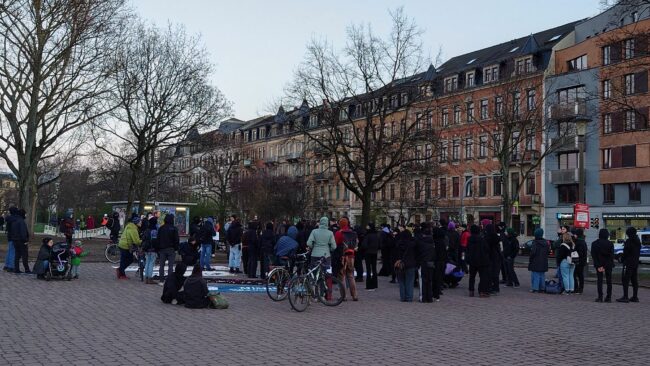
{"points": [[507, 196], [366, 205]]}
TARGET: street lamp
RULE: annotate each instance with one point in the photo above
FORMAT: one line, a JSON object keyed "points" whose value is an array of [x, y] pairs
{"points": [[581, 130]]}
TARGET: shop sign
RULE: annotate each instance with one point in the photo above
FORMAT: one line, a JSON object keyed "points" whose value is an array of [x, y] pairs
{"points": [[564, 216], [581, 215], [639, 215], [537, 220]]}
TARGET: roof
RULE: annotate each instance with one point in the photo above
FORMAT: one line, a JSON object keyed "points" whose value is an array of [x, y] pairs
{"points": [[230, 125], [533, 43], [6, 175]]}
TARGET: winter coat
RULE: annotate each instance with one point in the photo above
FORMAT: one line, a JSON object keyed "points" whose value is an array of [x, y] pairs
{"points": [[18, 230], [287, 243], [321, 240], [44, 254], [581, 248], [440, 241], [371, 242], [564, 251], [510, 247], [387, 241], [425, 250], [195, 293], [267, 242], [189, 254], [250, 239], [168, 235], [538, 260], [206, 233], [234, 233], [602, 250], [478, 251], [172, 285], [130, 237], [631, 252], [406, 248]]}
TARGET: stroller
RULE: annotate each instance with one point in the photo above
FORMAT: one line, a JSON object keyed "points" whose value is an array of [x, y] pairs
{"points": [[59, 267]]}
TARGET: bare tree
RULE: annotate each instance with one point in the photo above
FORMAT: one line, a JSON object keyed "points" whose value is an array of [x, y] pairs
{"points": [[374, 105], [52, 77], [161, 85]]}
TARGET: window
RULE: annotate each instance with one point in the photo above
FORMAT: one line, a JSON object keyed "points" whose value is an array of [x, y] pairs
{"points": [[491, 73], [530, 99], [457, 114], [496, 186], [405, 99], [628, 48], [470, 112], [524, 65], [469, 79], [417, 187], [629, 84], [570, 95], [498, 106], [607, 89], [609, 195], [496, 139], [619, 157], [607, 123], [451, 83], [635, 16], [567, 161], [392, 192], [445, 117], [455, 187], [338, 192], [469, 148], [630, 120], [635, 192], [482, 186], [428, 152], [484, 109], [442, 188], [607, 58], [530, 140], [427, 189], [482, 146], [579, 63], [469, 186], [514, 146], [567, 193], [455, 150], [530, 184], [516, 96], [443, 152], [428, 122], [514, 183]]}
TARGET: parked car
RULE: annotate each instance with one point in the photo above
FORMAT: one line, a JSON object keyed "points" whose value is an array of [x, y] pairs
{"points": [[644, 236], [524, 248]]}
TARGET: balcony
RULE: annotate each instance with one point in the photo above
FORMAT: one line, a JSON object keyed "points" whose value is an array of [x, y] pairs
{"points": [[569, 111], [564, 176], [564, 143], [321, 151], [295, 156], [322, 177], [530, 156], [271, 160]]}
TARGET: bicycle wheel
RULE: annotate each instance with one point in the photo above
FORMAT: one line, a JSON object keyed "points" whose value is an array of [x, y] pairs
{"points": [[299, 293], [277, 284], [330, 291], [112, 253]]}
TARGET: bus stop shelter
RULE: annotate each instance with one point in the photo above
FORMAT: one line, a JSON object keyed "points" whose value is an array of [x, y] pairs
{"points": [[180, 210]]}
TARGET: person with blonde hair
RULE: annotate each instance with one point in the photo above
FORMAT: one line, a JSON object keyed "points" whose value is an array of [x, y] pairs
{"points": [[567, 256]]}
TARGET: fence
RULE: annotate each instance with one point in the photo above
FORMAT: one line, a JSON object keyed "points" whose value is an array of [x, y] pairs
{"points": [[78, 234]]}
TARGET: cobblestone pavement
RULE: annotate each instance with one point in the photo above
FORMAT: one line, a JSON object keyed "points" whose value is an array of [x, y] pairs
{"points": [[98, 320]]}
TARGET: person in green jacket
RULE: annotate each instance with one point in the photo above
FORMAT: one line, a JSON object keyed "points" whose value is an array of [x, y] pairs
{"points": [[321, 242], [130, 237], [78, 253]]}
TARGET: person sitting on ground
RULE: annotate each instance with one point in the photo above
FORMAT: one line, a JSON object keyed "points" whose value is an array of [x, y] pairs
{"points": [[189, 251], [173, 284], [42, 264], [195, 291]]}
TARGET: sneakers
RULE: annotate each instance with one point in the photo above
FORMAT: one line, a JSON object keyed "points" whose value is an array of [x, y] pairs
{"points": [[623, 300]]}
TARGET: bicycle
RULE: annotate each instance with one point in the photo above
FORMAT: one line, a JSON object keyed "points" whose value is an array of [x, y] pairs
{"points": [[112, 252], [277, 282], [318, 284]]}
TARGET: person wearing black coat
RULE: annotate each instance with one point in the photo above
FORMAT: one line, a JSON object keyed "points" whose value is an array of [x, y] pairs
{"points": [[538, 262], [205, 239], [602, 252], [579, 273], [387, 244], [173, 284], [370, 246], [267, 252], [19, 236], [631, 254], [478, 259], [168, 243], [405, 263], [42, 264], [195, 290], [510, 250], [114, 226], [493, 240], [189, 251], [250, 251], [426, 252]]}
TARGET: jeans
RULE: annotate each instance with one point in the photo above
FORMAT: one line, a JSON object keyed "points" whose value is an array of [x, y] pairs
{"points": [[511, 275], [608, 279], [537, 281], [406, 280], [234, 258], [126, 258], [11, 254], [74, 271], [206, 256], [566, 270], [166, 255], [46, 266], [150, 260]]}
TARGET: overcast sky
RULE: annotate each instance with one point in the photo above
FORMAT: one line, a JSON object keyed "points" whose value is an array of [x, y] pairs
{"points": [[255, 45]]}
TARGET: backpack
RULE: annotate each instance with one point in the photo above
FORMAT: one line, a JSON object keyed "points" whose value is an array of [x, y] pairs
{"points": [[553, 287], [350, 241]]}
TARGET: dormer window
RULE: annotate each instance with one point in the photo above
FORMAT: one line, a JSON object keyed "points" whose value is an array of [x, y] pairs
{"points": [[490, 74], [469, 79], [524, 65], [451, 83], [313, 120], [343, 114], [405, 98], [635, 16]]}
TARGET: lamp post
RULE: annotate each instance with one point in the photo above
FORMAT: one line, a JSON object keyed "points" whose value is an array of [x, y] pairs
{"points": [[581, 129]]}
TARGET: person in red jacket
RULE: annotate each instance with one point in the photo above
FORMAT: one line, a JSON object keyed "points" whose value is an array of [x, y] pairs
{"points": [[464, 239], [347, 244]]}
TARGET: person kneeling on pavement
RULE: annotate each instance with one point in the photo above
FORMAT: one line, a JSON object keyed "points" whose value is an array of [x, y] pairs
{"points": [[173, 284], [196, 295], [42, 264]]}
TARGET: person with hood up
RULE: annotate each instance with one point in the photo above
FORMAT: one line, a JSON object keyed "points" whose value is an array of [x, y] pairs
{"points": [[130, 238], [189, 251], [149, 245], [206, 235], [11, 251], [20, 237], [173, 284], [538, 262], [387, 245], [286, 246], [251, 243], [602, 253], [195, 292], [405, 264], [581, 263], [347, 242], [233, 235], [478, 259], [426, 255], [168, 242], [510, 250], [42, 264], [494, 243], [371, 244], [631, 254], [267, 243], [453, 252], [113, 225]]}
